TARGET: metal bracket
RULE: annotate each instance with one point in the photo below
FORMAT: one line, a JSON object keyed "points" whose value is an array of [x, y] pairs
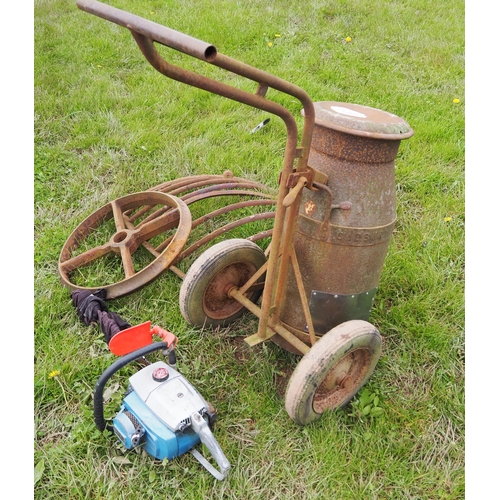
{"points": [[310, 174], [255, 339]]}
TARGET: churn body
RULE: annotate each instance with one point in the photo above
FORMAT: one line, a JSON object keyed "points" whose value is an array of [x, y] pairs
{"points": [[343, 229]]}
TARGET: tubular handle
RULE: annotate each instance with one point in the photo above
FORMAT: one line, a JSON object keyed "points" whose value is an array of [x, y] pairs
{"points": [[146, 32], [208, 53], [99, 420], [161, 34], [293, 193]]}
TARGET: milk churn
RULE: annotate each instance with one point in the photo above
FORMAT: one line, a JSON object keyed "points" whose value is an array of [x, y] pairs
{"points": [[344, 227]]}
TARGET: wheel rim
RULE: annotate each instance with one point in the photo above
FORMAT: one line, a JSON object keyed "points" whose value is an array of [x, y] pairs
{"points": [[126, 239], [216, 302], [342, 380]]}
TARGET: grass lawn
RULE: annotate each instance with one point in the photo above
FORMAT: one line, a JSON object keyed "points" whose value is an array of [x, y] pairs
{"points": [[106, 124]]}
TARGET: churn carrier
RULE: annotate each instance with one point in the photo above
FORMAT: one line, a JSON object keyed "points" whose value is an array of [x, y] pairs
{"points": [[313, 287]]}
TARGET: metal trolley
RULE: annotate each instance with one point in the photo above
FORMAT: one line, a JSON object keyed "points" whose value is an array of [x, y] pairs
{"points": [[313, 287]]}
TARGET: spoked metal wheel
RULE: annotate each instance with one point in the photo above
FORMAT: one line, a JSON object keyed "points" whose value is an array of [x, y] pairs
{"points": [[204, 298], [115, 248], [333, 370]]}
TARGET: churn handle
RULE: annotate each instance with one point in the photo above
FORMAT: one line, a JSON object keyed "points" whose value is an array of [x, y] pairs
{"points": [[208, 53]]}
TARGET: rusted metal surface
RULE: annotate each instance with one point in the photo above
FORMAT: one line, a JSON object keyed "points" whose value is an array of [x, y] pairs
{"points": [[335, 206], [342, 379], [217, 303], [162, 34], [343, 230], [363, 121], [79, 250], [195, 189], [146, 34], [158, 211]]}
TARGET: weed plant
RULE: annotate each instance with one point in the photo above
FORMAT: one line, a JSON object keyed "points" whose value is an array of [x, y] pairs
{"points": [[107, 125]]}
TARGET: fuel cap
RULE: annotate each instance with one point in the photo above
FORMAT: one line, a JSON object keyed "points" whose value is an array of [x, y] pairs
{"points": [[160, 374]]}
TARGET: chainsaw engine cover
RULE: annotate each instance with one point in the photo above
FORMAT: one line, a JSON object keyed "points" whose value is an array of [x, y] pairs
{"points": [[157, 412]]}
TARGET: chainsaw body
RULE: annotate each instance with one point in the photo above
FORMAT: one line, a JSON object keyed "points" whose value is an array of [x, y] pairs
{"points": [[157, 412], [162, 413]]}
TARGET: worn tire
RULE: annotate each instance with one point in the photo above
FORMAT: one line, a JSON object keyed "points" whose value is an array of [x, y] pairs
{"points": [[333, 371], [203, 299]]}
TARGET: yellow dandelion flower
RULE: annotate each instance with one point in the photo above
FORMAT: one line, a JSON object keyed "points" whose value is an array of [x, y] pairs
{"points": [[348, 39], [54, 373], [447, 219], [270, 44], [456, 100], [277, 35]]}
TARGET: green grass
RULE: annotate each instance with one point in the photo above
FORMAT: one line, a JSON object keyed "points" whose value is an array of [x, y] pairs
{"points": [[107, 125]]}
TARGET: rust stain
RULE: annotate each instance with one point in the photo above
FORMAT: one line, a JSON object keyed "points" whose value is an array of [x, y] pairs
{"points": [[310, 207]]}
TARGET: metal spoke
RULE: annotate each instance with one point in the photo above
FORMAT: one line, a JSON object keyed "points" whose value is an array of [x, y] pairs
{"points": [[85, 258]]}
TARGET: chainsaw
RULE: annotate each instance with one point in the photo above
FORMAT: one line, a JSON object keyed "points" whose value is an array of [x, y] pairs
{"points": [[162, 413]]}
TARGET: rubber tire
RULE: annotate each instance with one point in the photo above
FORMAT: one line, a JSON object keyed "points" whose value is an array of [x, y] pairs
{"points": [[234, 252], [354, 339]]}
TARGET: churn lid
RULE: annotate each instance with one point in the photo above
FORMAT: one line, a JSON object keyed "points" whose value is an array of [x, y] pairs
{"points": [[356, 119]]}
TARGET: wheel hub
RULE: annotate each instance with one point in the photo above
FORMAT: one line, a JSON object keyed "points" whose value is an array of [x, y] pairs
{"points": [[122, 239], [217, 303], [341, 380]]}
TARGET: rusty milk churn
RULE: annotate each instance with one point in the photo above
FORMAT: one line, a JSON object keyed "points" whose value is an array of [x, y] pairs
{"points": [[344, 228]]}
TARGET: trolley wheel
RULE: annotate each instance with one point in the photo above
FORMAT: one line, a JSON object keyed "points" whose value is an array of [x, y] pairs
{"points": [[203, 296], [333, 370]]}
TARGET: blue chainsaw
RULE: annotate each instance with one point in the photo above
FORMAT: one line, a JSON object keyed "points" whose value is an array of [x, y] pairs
{"points": [[162, 412]]}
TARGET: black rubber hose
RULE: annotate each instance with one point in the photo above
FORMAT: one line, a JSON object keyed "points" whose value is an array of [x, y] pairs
{"points": [[109, 372]]}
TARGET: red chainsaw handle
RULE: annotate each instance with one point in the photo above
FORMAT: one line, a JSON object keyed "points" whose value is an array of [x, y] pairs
{"points": [[168, 337], [154, 31]]}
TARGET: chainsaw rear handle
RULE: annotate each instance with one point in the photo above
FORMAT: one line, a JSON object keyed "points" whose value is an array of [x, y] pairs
{"points": [[99, 420]]}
